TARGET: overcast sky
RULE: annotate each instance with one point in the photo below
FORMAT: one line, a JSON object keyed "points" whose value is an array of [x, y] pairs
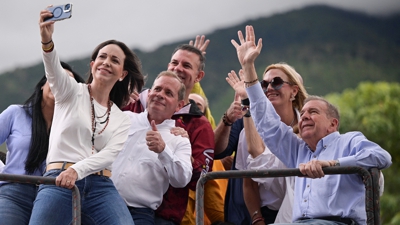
{"points": [[140, 24]]}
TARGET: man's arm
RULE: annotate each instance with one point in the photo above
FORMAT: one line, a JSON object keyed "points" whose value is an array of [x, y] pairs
{"points": [[357, 151], [202, 140], [223, 130], [231, 138], [251, 195], [221, 137]]}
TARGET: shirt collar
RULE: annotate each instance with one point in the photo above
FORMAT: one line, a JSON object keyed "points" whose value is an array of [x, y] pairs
{"points": [[326, 141]]}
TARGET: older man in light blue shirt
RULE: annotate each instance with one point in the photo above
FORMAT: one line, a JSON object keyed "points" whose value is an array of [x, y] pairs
{"points": [[332, 199]]}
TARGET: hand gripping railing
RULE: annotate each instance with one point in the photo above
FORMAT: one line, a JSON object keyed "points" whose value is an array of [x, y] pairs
{"points": [[76, 199], [370, 182]]}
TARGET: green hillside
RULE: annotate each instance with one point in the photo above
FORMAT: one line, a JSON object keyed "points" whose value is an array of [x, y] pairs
{"points": [[331, 48]]}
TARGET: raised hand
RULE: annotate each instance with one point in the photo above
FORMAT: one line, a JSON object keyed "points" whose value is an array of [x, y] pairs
{"points": [[133, 97], [234, 111], [237, 83], [201, 43], [154, 139], [46, 28], [247, 50]]}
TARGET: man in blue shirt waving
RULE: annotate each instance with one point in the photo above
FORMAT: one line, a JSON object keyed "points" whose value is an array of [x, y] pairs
{"points": [[332, 199]]}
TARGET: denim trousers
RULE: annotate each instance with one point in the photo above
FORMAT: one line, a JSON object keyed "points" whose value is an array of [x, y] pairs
{"points": [[161, 221], [314, 222], [100, 203], [142, 216], [16, 202]]}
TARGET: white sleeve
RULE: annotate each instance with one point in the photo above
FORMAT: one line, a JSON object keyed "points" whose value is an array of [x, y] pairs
{"points": [[381, 183], [242, 152], [266, 160], [61, 84], [177, 162], [106, 156], [1, 166]]}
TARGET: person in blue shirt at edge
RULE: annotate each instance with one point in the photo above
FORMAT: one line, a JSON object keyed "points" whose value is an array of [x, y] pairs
{"points": [[332, 199], [25, 129]]}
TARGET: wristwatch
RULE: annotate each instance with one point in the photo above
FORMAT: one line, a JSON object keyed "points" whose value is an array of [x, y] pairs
{"points": [[247, 113], [337, 163]]}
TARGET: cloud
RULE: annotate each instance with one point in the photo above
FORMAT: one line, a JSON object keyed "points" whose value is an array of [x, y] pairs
{"points": [[140, 24]]}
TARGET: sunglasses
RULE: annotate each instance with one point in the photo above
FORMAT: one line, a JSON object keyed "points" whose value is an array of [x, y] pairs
{"points": [[276, 83]]}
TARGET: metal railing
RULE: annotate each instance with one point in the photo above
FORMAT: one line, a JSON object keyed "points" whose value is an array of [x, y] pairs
{"points": [[76, 198], [370, 180]]}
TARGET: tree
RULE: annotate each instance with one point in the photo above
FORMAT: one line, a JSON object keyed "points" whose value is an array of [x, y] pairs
{"points": [[374, 109]]}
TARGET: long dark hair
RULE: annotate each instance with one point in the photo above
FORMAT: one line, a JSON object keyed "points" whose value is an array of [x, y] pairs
{"points": [[40, 135], [134, 80]]}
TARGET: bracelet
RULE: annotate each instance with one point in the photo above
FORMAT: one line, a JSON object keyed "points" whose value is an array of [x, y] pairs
{"points": [[246, 101], [226, 120], [250, 83], [49, 49], [47, 42], [255, 213], [247, 114], [258, 219]]}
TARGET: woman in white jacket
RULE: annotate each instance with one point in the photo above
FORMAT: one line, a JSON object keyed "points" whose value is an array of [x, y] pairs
{"points": [[88, 132]]}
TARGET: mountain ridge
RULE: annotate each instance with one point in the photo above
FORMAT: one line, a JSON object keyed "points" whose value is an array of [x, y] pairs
{"points": [[333, 49]]}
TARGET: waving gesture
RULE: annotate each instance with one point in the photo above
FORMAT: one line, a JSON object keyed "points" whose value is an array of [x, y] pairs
{"points": [[247, 50], [201, 43], [237, 83]]}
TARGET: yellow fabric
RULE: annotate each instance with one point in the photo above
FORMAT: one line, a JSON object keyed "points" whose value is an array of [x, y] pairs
{"points": [[214, 198], [214, 190], [198, 90]]}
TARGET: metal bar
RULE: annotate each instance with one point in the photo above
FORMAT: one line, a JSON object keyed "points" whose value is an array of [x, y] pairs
{"points": [[367, 179], [375, 173], [76, 199]]}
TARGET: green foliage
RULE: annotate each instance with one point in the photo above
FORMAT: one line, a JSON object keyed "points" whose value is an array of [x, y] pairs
{"points": [[374, 109], [3, 148]]}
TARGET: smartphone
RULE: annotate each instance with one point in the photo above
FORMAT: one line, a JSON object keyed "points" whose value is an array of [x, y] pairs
{"points": [[60, 12]]}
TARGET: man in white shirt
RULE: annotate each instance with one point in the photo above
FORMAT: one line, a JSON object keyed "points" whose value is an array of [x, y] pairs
{"points": [[152, 157]]}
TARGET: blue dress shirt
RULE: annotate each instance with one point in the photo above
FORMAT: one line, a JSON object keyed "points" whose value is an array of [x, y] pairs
{"points": [[332, 195], [15, 130]]}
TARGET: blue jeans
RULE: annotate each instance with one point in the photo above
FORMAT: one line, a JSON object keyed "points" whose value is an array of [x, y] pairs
{"points": [[100, 203], [314, 222], [16, 202], [161, 221], [142, 216]]}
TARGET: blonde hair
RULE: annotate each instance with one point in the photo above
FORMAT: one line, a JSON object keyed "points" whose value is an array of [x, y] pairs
{"points": [[294, 79]]}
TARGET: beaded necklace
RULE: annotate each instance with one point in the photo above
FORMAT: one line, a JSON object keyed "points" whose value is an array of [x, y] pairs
{"points": [[94, 116]]}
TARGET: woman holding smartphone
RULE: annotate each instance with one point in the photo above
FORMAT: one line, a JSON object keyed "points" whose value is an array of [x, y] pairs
{"points": [[25, 129], [88, 132]]}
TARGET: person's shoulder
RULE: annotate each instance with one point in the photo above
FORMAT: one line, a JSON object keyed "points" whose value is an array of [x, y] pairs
{"points": [[121, 116], [352, 134], [14, 109], [132, 114], [352, 137], [178, 139], [201, 121]]}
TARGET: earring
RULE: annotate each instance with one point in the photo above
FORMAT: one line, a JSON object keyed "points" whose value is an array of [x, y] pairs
{"points": [[120, 79], [292, 98]]}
